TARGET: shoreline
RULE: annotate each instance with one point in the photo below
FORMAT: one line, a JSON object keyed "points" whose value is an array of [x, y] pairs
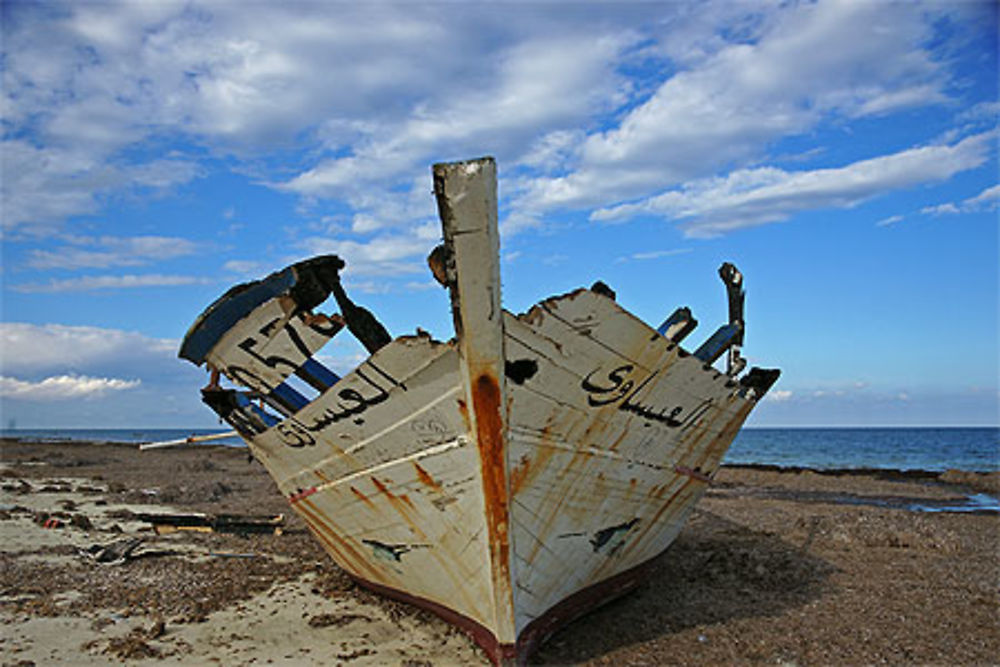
{"points": [[983, 481], [904, 473], [774, 566]]}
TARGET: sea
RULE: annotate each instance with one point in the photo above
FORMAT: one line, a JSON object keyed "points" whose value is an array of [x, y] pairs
{"points": [[932, 449], [929, 449]]}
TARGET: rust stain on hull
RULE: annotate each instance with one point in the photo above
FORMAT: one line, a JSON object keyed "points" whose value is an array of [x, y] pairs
{"points": [[493, 470], [401, 502], [363, 498], [426, 479], [519, 473], [489, 428]]}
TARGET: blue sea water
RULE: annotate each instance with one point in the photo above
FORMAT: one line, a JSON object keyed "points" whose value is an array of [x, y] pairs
{"points": [[930, 449]]}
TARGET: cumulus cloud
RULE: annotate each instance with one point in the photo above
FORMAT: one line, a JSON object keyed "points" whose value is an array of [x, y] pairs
{"points": [[62, 387], [385, 255], [109, 251], [801, 65], [40, 363], [44, 185], [32, 349], [538, 88], [245, 83], [92, 283], [583, 105], [750, 197], [537, 84]]}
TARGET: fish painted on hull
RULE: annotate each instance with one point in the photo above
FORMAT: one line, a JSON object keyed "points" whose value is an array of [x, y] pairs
{"points": [[508, 480]]}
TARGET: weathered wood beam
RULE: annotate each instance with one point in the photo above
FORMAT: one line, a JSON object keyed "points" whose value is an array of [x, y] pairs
{"points": [[467, 203]]}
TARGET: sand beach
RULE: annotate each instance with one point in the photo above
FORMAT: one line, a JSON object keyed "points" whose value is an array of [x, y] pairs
{"points": [[776, 566]]}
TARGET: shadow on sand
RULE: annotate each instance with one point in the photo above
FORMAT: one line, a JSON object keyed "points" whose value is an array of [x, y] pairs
{"points": [[714, 572]]}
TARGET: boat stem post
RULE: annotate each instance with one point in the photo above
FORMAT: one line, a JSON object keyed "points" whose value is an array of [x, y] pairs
{"points": [[467, 203], [735, 295]]}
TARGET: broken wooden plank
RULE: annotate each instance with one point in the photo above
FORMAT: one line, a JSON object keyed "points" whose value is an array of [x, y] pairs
{"points": [[220, 523]]}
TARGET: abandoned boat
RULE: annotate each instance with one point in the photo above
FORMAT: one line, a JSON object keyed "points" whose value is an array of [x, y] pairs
{"points": [[509, 479]]}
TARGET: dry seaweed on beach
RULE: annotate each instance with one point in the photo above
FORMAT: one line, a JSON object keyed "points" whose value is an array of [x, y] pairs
{"points": [[775, 566]]}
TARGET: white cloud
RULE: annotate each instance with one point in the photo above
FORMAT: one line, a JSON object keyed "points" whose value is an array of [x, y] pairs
{"points": [[28, 349], [552, 150], [512, 256], [857, 392], [537, 88], [111, 251], [368, 87], [653, 254], [940, 209], [244, 267], [750, 197], [984, 111], [987, 200], [882, 103], [804, 63], [891, 220], [421, 286], [583, 105], [383, 255], [42, 186], [91, 283], [62, 387]]}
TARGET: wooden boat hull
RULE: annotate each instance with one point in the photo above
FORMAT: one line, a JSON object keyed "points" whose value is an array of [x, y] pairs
{"points": [[507, 480]]}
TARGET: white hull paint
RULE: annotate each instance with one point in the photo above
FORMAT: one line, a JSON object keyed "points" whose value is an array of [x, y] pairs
{"points": [[508, 479]]}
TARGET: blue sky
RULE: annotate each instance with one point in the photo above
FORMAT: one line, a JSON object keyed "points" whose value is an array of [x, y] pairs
{"points": [[843, 155]]}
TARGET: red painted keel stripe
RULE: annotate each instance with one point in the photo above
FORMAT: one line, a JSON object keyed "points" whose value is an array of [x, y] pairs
{"points": [[693, 474], [296, 497], [539, 629]]}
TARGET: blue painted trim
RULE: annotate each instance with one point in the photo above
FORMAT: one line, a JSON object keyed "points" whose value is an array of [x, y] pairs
{"points": [[317, 375], [676, 317], [288, 397], [229, 309], [712, 348]]}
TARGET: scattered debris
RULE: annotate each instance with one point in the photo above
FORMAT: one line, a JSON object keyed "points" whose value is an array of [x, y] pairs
{"points": [[114, 553], [230, 554], [21, 487], [221, 523], [156, 630], [132, 646], [335, 620], [359, 653], [190, 440]]}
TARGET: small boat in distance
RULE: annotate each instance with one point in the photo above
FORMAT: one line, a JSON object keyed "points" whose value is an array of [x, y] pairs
{"points": [[509, 479]]}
